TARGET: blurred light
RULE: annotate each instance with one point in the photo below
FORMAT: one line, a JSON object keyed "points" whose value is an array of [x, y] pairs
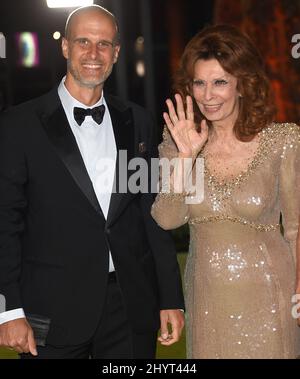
{"points": [[68, 3], [139, 45], [28, 48], [56, 35], [140, 68]]}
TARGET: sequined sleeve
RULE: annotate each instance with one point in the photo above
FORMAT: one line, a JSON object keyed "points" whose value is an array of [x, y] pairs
{"points": [[289, 185], [169, 209]]}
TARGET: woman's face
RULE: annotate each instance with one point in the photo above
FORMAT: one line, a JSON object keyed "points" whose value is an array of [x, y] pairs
{"points": [[215, 92]]}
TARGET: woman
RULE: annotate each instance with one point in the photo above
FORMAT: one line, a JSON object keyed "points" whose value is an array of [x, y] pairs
{"points": [[241, 270]]}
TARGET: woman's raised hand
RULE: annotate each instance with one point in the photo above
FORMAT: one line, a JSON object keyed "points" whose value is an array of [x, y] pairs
{"points": [[183, 128]]}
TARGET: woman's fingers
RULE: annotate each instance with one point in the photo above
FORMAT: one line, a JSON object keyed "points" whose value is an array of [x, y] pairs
{"points": [[180, 107], [177, 114], [168, 121], [189, 108], [178, 117], [172, 112]]}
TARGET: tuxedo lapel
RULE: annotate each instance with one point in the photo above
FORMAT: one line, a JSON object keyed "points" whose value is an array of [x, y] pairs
{"points": [[123, 126], [60, 134]]}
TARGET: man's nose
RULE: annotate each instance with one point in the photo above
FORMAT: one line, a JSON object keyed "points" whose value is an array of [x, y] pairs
{"points": [[93, 51]]}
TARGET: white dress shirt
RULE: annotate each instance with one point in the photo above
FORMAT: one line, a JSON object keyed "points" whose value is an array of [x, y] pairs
{"points": [[98, 149]]}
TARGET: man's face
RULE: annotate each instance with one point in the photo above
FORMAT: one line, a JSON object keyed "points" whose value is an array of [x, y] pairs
{"points": [[90, 49]]}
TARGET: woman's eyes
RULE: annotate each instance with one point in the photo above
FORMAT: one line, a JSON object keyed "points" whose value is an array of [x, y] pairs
{"points": [[221, 82], [218, 82], [198, 83]]}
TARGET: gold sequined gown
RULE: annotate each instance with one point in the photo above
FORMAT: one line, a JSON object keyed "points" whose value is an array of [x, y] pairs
{"points": [[240, 272]]}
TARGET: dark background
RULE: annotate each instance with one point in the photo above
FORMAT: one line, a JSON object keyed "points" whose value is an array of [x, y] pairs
{"points": [[162, 23]]}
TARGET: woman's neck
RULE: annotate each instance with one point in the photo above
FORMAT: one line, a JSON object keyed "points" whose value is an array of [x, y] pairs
{"points": [[222, 133]]}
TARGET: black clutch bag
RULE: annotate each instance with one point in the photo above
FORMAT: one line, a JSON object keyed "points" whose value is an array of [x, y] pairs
{"points": [[40, 326]]}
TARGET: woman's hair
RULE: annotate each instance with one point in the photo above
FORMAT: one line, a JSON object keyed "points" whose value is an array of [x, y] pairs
{"points": [[238, 56]]}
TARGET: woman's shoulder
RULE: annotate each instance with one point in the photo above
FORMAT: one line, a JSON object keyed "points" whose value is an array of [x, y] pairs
{"points": [[282, 133]]}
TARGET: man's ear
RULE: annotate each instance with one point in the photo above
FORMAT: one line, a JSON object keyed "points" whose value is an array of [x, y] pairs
{"points": [[116, 53], [65, 47]]}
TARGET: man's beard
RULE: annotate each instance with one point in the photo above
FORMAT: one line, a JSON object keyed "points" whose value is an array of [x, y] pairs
{"points": [[87, 83]]}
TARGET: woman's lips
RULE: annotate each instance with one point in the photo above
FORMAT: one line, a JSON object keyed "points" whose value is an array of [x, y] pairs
{"points": [[212, 108]]}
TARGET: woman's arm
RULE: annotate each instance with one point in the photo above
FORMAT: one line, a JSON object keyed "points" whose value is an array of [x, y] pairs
{"points": [[181, 145]]}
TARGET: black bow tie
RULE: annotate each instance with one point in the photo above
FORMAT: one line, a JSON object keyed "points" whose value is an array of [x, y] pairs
{"points": [[97, 113]]}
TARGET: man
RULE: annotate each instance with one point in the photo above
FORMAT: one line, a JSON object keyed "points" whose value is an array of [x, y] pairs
{"points": [[84, 269]]}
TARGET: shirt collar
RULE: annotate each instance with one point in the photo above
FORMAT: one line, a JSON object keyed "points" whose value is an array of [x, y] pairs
{"points": [[69, 102]]}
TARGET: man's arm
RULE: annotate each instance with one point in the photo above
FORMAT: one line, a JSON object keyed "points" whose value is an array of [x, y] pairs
{"points": [[13, 177], [164, 253], [14, 333], [14, 314]]}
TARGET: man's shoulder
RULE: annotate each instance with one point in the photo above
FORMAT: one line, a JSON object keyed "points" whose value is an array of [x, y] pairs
{"points": [[25, 109], [123, 105]]}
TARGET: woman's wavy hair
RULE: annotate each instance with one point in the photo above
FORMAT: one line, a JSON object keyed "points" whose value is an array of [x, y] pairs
{"points": [[239, 57]]}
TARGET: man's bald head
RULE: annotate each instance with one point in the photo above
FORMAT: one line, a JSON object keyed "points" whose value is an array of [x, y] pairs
{"points": [[86, 10]]}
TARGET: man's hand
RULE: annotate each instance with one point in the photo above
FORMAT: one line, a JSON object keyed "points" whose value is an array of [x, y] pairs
{"points": [[18, 335], [175, 318]]}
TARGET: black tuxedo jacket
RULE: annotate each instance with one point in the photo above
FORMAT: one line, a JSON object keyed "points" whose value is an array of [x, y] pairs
{"points": [[54, 239]]}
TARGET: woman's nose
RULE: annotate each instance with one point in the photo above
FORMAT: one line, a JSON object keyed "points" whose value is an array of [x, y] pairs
{"points": [[208, 92]]}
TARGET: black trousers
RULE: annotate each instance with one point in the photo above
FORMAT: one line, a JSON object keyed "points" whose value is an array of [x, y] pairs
{"points": [[113, 338]]}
